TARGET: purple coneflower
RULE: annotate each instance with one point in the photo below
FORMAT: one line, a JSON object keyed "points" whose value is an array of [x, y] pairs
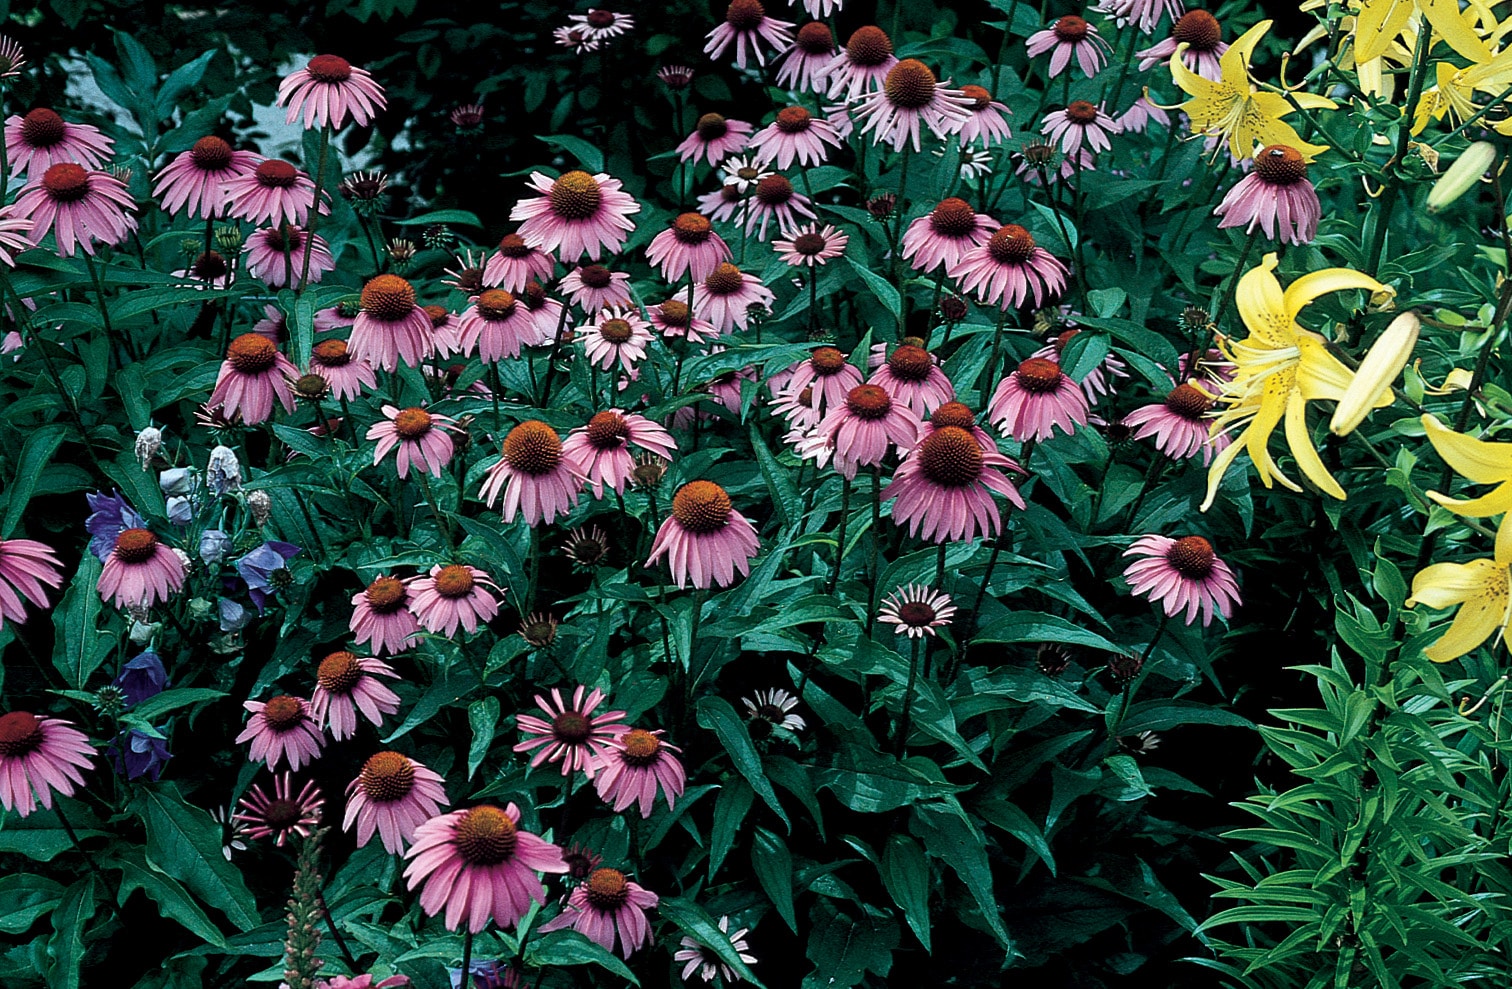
{"points": [[638, 764], [346, 376], [390, 328], [1079, 122], [676, 76], [725, 297], [327, 90], [477, 864], [209, 270], [862, 65], [911, 377], [603, 24], [453, 596], [916, 611], [576, 214], [1036, 399], [37, 756], [1179, 425], [809, 246], [25, 566], [515, 263], [140, 571], [1276, 195], [15, 237], [688, 247], [723, 203], [860, 429], [1203, 37], [600, 450], [1070, 36], [943, 488], [674, 319], [253, 374], [704, 539], [1145, 13], [606, 907], [1097, 382], [796, 135], [828, 373], [593, 287], [273, 193], [282, 815], [774, 198], [747, 27], [802, 66], [78, 206], [1010, 268], [1182, 573], [381, 616], [706, 962], [393, 795], [282, 729], [346, 683], [41, 139], [714, 139], [497, 325], [419, 436], [276, 255], [570, 734], [538, 482], [579, 39], [988, 121], [910, 96], [197, 179], [546, 313], [945, 234]]}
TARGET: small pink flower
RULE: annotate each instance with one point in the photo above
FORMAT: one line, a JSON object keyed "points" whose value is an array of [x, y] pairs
{"points": [[25, 566], [747, 26], [282, 729], [1182, 574], [381, 616], [140, 571], [576, 214], [253, 374], [688, 247], [1037, 399], [638, 764], [1276, 196], [345, 375], [607, 906], [600, 450], [1144, 13], [329, 89], [802, 66], [419, 436], [15, 236], [862, 65], [1203, 37], [860, 430], [1080, 122], [197, 180], [571, 734], [41, 139], [209, 270], [78, 206], [453, 596], [603, 24], [674, 319], [346, 683], [774, 198], [912, 378], [1070, 37], [944, 488], [497, 325], [616, 335], [714, 139], [796, 135], [809, 246], [829, 373], [276, 255], [988, 122], [1009, 269], [391, 328], [1179, 425], [283, 814], [705, 539], [537, 480], [515, 263], [725, 297], [915, 611], [37, 756], [274, 193], [911, 96], [593, 286], [723, 203], [478, 864], [393, 795], [945, 234]]}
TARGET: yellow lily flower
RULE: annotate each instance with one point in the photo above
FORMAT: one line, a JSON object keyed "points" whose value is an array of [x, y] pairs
{"points": [[1480, 462], [1483, 590], [1456, 87], [1235, 109], [1379, 22], [1278, 369]]}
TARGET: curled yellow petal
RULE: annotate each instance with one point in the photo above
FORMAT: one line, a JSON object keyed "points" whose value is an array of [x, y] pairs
{"points": [[1262, 304], [1307, 288], [1479, 587], [1452, 26], [1300, 441], [1473, 459]]}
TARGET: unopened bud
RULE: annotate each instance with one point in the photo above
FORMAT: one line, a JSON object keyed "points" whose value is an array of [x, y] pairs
{"points": [[224, 471], [261, 507], [1371, 387], [148, 442], [1460, 177]]}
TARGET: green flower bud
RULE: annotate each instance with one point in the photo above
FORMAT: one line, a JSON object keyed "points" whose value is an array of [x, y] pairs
{"points": [[1462, 176]]}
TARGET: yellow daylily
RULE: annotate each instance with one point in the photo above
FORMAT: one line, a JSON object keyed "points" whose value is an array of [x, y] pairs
{"points": [[1379, 22], [1278, 369], [1235, 109], [1483, 590], [1455, 89], [1480, 462]]}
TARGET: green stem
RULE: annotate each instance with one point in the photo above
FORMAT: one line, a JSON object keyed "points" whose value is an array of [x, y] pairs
{"points": [[467, 939], [900, 741], [442, 524], [1128, 688], [309, 233], [1404, 135], [840, 543]]}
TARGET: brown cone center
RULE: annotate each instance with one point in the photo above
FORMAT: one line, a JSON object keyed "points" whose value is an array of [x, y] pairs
{"points": [[980, 98], [210, 154], [712, 126], [868, 47], [953, 217], [386, 595], [692, 228], [724, 280], [283, 713], [773, 190], [955, 414], [387, 776], [809, 244], [1279, 164], [20, 733], [745, 15], [1081, 112], [910, 85], [794, 120], [571, 727], [868, 402], [575, 196], [608, 430], [331, 353], [608, 889], [275, 173], [1012, 244], [485, 836], [814, 38], [455, 581], [66, 182], [950, 457], [496, 305], [640, 747], [916, 614], [411, 424], [42, 128], [911, 363], [339, 672], [701, 507], [1189, 402], [1039, 374], [533, 448], [1199, 29], [827, 361], [676, 313], [514, 246], [1071, 29], [330, 68], [388, 298], [135, 546], [252, 353], [596, 276]]}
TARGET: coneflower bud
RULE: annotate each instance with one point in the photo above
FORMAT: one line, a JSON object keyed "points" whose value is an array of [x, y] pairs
{"points": [[881, 207], [228, 240], [438, 237], [1371, 387], [401, 252], [1460, 177]]}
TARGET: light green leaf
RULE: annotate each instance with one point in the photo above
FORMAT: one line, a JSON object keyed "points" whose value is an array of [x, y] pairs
{"points": [[483, 716]]}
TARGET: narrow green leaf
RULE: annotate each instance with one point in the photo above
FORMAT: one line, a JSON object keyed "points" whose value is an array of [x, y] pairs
{"points": [[950, 836], [774, 869], [38, 449], [24, 898], [590, 157], [905, 873], [693, 921], [170, 896], [571, 948], [716, 714], [730, 810], [483, 717], [66, 947], [80, 646], [880, 287]]}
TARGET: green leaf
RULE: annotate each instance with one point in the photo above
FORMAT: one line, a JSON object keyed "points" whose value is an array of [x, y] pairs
{"points": [[950, 836], [442, 693], [881, 288], [716, 714], [905, 873], [461, 216], [24, 898], [844, 948], [158, 705], [590, 157], [39, 835], [730, 810], [66, 947], [693, 921], [785, 496], [39, 448], [774, 869], [1035, 626], [1012, 819], [483, 716], [170, 896], [80, 646], [185, 842], [571, 948]]}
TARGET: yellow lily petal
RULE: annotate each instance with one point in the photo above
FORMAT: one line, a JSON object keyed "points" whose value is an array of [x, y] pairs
{"points": [[1221, 464], [1494, 502], [1190, 82], [1377, 23], [1504, 541], [1307, 288], [1262, 304], [1371, 75], [1473, 459], [1482, 587], [1300, 441], [1311, 101], [1451, 25], [1321, 374], [1234, 63], [1445, 585], [1256, 438]]}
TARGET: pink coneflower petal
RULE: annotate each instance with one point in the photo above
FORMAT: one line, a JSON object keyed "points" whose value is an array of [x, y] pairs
{"points": [[605, 908], [453, 596], [140, 571], [418, 436], [282, 729], [704, 539], [1182, 574], [381, 617], [346, 684], [327, 91], [253, 375], [571, 734], [576, 214], [1035, 400], [393, 796], [27, 569], [639, 765], [538, 482], [39, 755]]}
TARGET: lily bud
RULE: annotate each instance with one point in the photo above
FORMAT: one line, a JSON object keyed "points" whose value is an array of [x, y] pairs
{"points": [[1371, 387], [1460, 177]]}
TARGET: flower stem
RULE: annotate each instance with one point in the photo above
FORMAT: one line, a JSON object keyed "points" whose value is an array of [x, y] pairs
{"points": [[467, 939], [346, 952], [900, 740], [89, 861], [442, 524], [1404, 135], [1128, 688], [840, 544], [309, 233]]}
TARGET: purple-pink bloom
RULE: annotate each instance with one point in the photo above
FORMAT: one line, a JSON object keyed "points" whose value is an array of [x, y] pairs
{"points": [[1009, 269], [282, 815], [25, 566], [911, 96], [1203, 37], [943, 488], [726, 296], [704, 539], [802, 66], [345, 684], [911, 377], [381, 616], [274, 193], [251, 377], [714, 139], [538, 482], [515, 264], [141, 571], [570, 734], [391, 328], [1070, 37], [1182, 574], [796, 135], [37, 756], [747, 27], [861, 65], [452, 596], [639, 764], [198, 179], [688, 247], [327, 91], [945, 234], [1276, 196], [276, 255], [606, 907], [860, 429], [497, 325], [576, 214], [1179, 425], [600, 450], [282, 729], [78, 206], [1077, 123], [41, 139], [393, 795], [1035, 400], [418, 436]]}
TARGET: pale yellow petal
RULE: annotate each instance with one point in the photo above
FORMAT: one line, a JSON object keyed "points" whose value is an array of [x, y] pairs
{"points": [[1221, 464], [1494, 502], [1307, 288], [1190, 82], [1262, 304], [1300, 441], [1504, 539], [1451, 25], [1473, 459], [1445, 585], [1256, 439], [1321, 374], [1377, 23], [1235, 61], [1312, 101]]}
